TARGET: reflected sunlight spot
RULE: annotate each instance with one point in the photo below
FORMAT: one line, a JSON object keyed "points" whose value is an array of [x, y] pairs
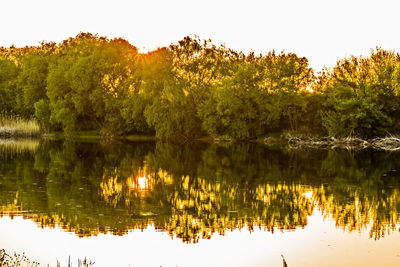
{"points": [[309, 89], [308, 194], [142, 183]]}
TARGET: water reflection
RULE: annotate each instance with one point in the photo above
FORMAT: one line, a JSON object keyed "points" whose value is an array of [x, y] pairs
{"points": [[9, 147], [196, 190]]}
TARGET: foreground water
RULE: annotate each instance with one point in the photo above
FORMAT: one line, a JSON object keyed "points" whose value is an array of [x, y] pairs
{"points": [[160, 204]]}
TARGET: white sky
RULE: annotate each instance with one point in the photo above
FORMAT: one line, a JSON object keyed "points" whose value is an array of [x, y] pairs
{"points": [[321, 30]]}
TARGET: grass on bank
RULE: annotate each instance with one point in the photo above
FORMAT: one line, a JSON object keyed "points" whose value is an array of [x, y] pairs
{"points": [[13, 126], [18, 260]]}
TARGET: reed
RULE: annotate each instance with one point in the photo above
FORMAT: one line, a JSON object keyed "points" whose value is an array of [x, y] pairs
{"points": [[18, 260], [14, 126]]}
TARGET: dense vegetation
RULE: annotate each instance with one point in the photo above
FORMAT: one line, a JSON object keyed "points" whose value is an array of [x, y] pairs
{"points": [[194, 88]]}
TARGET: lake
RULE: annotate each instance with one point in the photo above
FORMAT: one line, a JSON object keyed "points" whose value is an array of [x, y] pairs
{"points": [[197, 204]]}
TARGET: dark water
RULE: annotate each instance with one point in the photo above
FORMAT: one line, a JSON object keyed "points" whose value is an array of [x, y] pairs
{"points": [[186, 194]]}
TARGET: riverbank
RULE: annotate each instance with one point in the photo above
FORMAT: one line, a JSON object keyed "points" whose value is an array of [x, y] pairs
{"points": [[23, 130], [379, 143], [9, 132], [390, 143], [15, 127]]}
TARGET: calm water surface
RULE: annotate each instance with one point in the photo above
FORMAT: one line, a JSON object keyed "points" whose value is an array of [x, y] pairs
{"points": [[161, 204]]}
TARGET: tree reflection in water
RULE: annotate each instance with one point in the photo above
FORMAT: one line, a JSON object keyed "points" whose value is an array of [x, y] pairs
{"points": [[196, 190]]}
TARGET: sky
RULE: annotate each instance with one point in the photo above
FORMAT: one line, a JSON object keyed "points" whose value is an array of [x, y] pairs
{"points": [[321, 30]]}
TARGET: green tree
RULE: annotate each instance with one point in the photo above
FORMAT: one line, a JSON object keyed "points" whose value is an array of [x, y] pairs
{"points": [[9, 72], [197, 66], [88, 84], [32, 81], [258, 94], [233, 108], [362, 95], [153, 73]]}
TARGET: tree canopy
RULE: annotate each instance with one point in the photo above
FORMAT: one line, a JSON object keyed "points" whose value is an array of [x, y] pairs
{"points": [[194, 88]]}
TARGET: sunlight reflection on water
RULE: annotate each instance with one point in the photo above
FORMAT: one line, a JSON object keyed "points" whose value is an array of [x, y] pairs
{"points": [[157, 204]]}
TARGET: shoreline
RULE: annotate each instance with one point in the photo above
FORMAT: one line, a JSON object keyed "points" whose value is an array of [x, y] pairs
{"points": [[377, 143], [389, 143], [7, 132]]}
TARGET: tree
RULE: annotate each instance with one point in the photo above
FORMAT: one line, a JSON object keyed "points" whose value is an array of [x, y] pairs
{"points": [[286, 79], [197, 66], [8, 85], [233, 108], [258, 94], [32, 81], [88, 83], [153, 73], [362, 95]]}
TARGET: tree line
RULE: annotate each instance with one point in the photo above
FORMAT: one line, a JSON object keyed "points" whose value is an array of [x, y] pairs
{"points": [[194, 88]]}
